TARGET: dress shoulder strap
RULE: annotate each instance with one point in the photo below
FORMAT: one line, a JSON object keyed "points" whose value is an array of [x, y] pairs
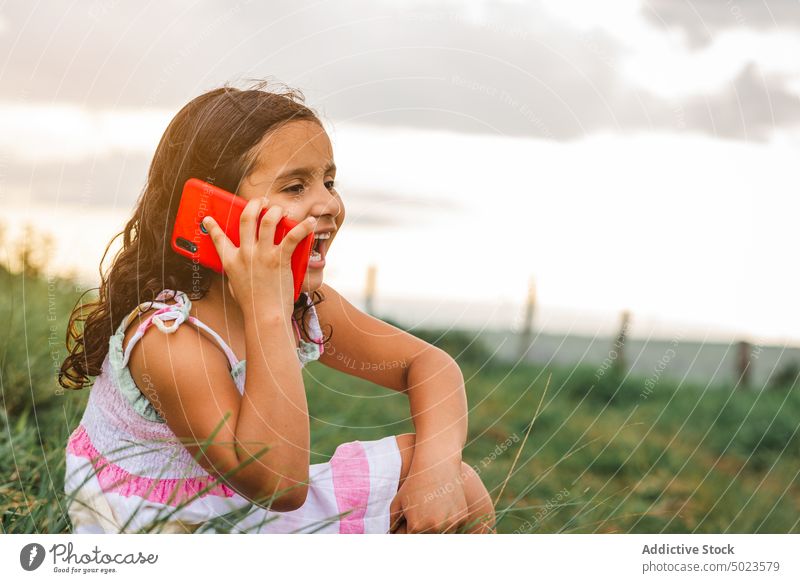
{"points": [[179, 312], [119, 358]]}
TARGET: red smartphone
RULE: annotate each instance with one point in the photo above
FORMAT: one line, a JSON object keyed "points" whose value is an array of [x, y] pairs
{"points": [[190, 238]]}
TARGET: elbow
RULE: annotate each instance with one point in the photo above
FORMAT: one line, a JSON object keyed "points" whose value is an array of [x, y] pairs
{"points": [[279, 481], [291, 500], [441, 362], [441, 356], [282, 493], [432, 360]]}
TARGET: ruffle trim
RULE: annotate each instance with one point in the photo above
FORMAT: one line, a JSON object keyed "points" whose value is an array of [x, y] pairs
{"points": [[167, 491]]}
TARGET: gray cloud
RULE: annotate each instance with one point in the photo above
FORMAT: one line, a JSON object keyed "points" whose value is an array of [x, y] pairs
{"points": [[702, 19], [116, 181], [109, 181], [748, 109], [516, 73]]}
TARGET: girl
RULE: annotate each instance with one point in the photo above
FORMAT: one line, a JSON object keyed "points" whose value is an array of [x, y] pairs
{"points": [[175, 433]]}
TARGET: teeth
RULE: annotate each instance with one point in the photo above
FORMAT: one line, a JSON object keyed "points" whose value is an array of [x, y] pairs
{"points": [[315, 256], [322, 236]]}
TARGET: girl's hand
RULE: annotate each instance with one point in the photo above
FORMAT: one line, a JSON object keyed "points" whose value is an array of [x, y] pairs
{"points": [[259, 271], [431, 500]]}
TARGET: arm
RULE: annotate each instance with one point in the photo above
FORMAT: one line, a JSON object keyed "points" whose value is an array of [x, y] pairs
{"points": [[187, 379], [196, 394], [438, 403], [371, 349], [273, 408]]}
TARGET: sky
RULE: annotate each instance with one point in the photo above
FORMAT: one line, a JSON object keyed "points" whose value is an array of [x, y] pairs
{"points": [[635, 155]]}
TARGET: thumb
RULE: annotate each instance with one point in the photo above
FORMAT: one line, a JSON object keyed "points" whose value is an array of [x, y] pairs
{"points": [[223, 246], [396, 517]]}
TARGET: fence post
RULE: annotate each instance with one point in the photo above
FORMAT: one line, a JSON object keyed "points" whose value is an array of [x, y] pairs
{"points": [[743, 362], [620, 364], [527, 326]]}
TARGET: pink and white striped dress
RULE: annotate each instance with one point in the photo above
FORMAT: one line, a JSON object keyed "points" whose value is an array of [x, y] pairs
{"points": [[125, 468]]}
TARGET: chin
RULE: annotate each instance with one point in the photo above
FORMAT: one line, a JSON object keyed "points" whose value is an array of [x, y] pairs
{"points": [[312, 281]]}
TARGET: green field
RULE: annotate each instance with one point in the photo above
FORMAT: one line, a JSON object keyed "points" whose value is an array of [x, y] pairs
{"points": [[599, 457]]}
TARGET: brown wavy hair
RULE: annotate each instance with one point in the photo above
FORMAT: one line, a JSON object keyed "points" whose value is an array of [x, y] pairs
{"points": [[213, 137]]}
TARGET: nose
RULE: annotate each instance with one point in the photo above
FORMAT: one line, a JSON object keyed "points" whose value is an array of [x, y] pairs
{"points": [[328, 203]]}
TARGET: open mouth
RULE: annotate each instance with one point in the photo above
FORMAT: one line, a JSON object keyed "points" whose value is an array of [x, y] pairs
{"points": [[320, 246]]}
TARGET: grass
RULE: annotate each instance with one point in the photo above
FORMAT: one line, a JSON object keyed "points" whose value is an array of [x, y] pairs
{"points": [[600, 457]]}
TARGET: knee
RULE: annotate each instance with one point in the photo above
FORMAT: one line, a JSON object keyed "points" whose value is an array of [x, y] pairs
{"points": [[470, 479], [481, 509]]}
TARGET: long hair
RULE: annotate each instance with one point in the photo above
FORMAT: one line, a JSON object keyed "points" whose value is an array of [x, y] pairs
{"points": [[213, 137]]}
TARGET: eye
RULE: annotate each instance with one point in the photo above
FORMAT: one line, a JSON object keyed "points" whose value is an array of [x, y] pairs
{"points": [[298, 188]]}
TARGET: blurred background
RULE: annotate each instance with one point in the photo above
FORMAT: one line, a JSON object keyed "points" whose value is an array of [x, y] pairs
{"points": [[602, 194]]}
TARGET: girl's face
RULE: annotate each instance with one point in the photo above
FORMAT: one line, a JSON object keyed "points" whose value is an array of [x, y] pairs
{"points": [[294, 169]]}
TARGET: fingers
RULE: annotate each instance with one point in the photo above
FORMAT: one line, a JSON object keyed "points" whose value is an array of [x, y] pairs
{"points": [[454, 525], [428, 525], [299, 232], [400, 526], [455, 520], [268, 225], [395, 515], [247, 222], [222, 244]]}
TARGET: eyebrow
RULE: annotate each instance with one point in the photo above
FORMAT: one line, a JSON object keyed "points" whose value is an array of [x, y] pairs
{"points": [[305, 171]]}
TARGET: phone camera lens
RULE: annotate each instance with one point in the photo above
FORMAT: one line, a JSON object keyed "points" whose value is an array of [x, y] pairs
{"points": [[186, 244], [203, 228]]}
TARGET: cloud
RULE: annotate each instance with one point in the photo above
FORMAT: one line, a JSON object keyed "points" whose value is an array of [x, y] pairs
{"points": [[701, 20], [110, 180], [748, 109], [60, 132], [115, 181], [500, 68]]}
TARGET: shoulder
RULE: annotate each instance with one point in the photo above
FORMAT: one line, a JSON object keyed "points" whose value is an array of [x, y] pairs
{"points": [[167, 313], [178, 345], [170, 357], [334, 305]]}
